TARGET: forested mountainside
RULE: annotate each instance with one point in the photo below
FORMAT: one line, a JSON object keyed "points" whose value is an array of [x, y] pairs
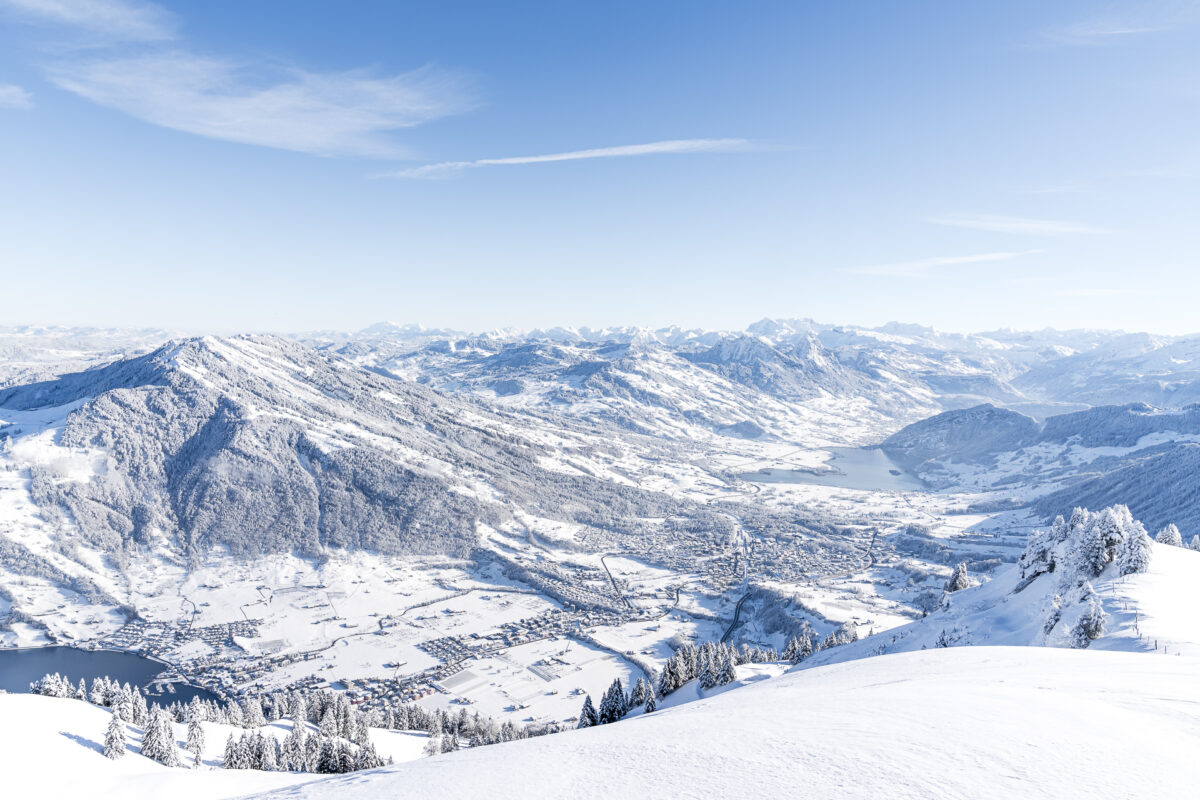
{"points": [[262, 445]]}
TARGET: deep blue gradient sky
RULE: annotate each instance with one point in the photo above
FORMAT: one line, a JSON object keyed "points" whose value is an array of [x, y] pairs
{"points": [[292, 165]]}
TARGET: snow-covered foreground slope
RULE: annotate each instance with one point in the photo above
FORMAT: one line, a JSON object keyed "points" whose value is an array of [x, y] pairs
{"points": [[994, 722], [52, 747]]}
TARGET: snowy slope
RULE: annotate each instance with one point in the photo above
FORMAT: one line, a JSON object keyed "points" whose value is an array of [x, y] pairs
{"points": [[962, 722], [59, 742], [1149, 612], [53, 748]]}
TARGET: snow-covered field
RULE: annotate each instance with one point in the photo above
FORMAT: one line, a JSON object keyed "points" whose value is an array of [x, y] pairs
{"points": [[985, 722]]}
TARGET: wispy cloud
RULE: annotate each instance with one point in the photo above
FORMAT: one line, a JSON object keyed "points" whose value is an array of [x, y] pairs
{"points": [[14, 97], [135, 70], [925, 267], [347, 113], [671, 146], [1099, 32], [118, 19], [1132, 20], [1021, 225]]}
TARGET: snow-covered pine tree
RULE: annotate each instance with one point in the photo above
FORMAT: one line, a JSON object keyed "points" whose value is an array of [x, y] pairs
{"points": [[195, 740], [791, 653], [368, 758], [1169, 535], [362, 732], [1091, 555], [114, 738], [669, 680], [232, 758], [707, 673], [123, 707], [235, 715], [651, 700], [727, 673], [690, 663], [328, 726], [637, 697], [196, 710], [312, 752], [588, 716], [158, 739], [49, 686], [1133, 554], [345, 717], [141, 714], [1092, 623], [807, 635], [1113, 523], [346, 758], [959, 580], [299, 710], [268, 757], [252, 713], [433, 747], [292, 756], [620, 700], [606, 714]]}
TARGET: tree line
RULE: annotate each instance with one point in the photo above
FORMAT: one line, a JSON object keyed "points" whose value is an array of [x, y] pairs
{"points": [[329, 733]]}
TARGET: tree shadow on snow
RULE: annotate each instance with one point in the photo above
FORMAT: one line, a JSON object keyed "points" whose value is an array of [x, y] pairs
{"points": [[88, 743]]}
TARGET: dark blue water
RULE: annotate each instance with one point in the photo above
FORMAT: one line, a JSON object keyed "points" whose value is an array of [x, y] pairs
{"points": [[19, 668]]}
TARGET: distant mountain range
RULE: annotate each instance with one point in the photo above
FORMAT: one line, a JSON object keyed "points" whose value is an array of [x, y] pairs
{"points": [[1134, 454], [897, 373]]}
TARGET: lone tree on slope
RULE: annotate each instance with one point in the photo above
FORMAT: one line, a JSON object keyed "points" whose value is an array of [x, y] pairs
{"points": [[114, 739], [195, 741], [959, 580], [588, 716]]}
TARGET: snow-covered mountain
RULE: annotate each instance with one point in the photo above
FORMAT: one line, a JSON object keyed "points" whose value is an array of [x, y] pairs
{"points": [[261, 445]]}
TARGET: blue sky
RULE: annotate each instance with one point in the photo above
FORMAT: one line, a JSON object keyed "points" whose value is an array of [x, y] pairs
{"points": [[226, 165]]}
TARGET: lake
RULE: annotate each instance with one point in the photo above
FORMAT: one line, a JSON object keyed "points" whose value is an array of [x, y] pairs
{"points": [[869, 469], [19, 668]]}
